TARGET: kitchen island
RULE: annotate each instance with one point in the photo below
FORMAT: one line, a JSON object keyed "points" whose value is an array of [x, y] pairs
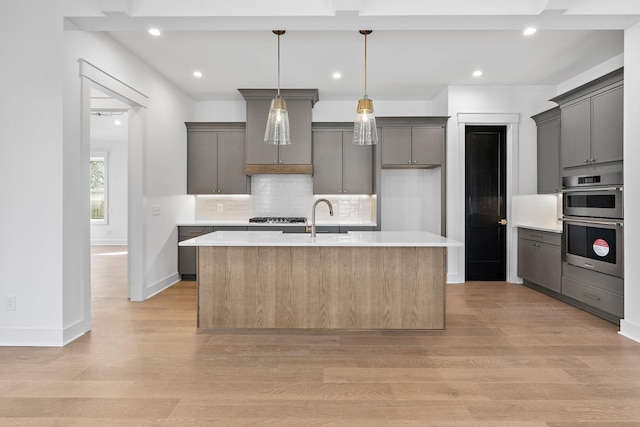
{"points": [[357, 280]]}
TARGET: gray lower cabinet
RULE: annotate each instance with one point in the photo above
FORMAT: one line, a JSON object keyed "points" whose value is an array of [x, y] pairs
{"points": [[188, 256], [215, 158], [598, 293], [540, 258], [413, 145], [548, 150], [339, 167]]}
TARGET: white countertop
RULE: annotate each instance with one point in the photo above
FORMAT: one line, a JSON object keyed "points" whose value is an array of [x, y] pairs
{"points": [[245, 223], [352, 238]]}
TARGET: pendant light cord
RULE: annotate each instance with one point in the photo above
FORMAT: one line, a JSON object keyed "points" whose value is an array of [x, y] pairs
{"points": [[365, 65], [278, 65]]}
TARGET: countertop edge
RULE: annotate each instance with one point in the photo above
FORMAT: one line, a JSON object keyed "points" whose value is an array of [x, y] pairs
{"points": [[351, 239], [539, 228]]}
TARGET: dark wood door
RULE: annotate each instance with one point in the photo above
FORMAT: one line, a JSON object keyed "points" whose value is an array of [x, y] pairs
{"points": [[485, 202]]}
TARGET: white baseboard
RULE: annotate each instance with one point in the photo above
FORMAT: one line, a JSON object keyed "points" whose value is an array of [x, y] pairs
{"points": [[455, 278], [23, 337], [115, 242], [630, 330], [161, 285], [78, 329]]}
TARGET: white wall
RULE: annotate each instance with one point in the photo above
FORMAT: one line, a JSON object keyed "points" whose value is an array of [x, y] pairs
{"points": [[524, 101], [323, 111], [630, 325], [164, 158], [31, 172], [42, 157]]}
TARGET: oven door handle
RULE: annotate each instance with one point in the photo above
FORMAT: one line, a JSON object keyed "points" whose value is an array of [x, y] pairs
{"points": [[589, 190], [591, 221]]}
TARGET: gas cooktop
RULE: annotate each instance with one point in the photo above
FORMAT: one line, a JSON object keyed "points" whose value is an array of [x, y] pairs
{"points": [[279, 219]]}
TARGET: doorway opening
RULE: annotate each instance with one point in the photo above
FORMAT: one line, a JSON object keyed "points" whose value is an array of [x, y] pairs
{"points": [[485, 203], [108, 182]]}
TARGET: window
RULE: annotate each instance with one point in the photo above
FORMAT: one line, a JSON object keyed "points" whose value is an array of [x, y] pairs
{"points": [[98, 168]]}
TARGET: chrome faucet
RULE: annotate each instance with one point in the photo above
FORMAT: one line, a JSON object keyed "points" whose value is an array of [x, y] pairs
{"points": [[313, 214]]}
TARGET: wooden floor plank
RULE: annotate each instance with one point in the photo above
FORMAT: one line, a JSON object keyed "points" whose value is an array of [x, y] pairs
{"points": [[510, 357]]}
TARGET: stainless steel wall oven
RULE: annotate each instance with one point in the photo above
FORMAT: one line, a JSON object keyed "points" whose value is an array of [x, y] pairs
{"points": [[593, 223]]}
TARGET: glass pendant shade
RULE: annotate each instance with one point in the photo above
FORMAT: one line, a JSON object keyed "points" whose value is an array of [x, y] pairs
{"points": [[365, 131], [277, 130]]}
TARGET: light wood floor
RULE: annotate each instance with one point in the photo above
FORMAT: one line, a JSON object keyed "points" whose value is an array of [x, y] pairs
{"points": [[509, 357]]}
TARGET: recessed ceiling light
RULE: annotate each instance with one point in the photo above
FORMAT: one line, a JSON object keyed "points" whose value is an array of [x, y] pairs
{"points": [[117, 122], [477, 73], [529, 31], [197, 74], [154, 31], [337, 75]]}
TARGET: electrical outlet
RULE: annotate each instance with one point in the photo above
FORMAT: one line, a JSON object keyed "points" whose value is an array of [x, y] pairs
{"points": [[10, 304], [155, 210], [220, 207]]}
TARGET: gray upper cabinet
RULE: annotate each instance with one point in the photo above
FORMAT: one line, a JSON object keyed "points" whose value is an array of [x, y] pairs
{"points": [[427, 145], [327, 162], [607, 126], [339, 166], [299, 106], [404, 146], [548, 123], [215, 158], [396, 145], [576, 134], [592, 122]]}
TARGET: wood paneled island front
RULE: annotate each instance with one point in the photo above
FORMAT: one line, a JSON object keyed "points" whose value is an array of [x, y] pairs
{"points": [[358, 280]]}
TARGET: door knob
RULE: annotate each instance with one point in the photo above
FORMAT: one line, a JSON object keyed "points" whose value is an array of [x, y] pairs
{"points": [[502, 222]]}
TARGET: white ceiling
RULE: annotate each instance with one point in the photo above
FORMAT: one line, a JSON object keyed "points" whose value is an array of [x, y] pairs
{"points": [[418, 47]]}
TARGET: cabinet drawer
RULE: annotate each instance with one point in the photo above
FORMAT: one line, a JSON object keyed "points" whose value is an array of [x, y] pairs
{"points": [[540, 236], [598, 298], [191, 232]]}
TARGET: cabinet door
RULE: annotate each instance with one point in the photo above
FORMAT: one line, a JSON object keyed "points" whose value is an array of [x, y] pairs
{"points": [[549, 157], [231, 153], [607, 126], [259, 153], [549, 266], [299, 152], [427, 145], [396, 145], [528, 260], [202, 158], [576, 134], [327, 162], [357, 166]]}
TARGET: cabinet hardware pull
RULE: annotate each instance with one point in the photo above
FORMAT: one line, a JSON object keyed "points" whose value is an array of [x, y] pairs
{"points": [[409, 162], [586, 160], [592, 160], [588, 295]]}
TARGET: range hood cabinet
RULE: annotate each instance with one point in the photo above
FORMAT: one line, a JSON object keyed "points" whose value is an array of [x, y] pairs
{"points": [[264, 158]]}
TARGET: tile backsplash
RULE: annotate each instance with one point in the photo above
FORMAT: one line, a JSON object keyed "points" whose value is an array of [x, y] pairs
{"points": [[283, 195]]}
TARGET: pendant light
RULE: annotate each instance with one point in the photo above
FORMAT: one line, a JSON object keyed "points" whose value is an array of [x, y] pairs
{"points": [[365, 131], [277, 131]]}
